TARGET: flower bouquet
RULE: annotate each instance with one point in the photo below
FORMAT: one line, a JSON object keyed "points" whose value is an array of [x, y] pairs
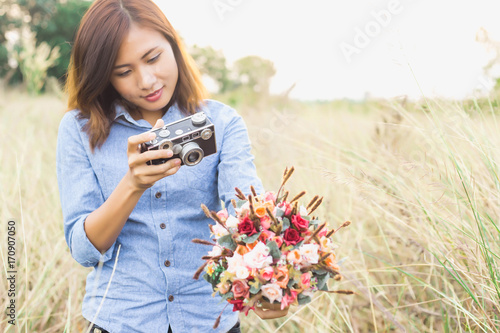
{"points": [[273, 250]]}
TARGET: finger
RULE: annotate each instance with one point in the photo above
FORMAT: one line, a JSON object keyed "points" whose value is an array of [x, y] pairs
{"points": [[161, 169], [270, 314], [140, 159], [159, 123], [135, 140]]}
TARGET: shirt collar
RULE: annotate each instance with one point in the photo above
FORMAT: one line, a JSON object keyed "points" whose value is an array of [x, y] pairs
{"points": [[173, 114]]}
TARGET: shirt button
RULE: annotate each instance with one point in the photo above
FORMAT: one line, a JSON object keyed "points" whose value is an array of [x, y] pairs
{"points": [[171, 298], [167, 264], [158, 195], [163, 225]]}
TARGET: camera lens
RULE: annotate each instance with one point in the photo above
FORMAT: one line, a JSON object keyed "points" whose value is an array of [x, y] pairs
{"points": [[193, 157], [191, 154]]}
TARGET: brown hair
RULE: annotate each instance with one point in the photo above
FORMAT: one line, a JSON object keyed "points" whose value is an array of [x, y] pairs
{"points": [[95, 49]]}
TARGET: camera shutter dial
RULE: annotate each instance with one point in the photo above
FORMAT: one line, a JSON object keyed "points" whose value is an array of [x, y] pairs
{"points": [[177, 149], [166, 144], [199, 119], [206, 134], [164, 133]]}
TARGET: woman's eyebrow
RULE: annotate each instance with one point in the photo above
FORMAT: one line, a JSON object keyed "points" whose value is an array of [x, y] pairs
{"points": [[144, 56]]}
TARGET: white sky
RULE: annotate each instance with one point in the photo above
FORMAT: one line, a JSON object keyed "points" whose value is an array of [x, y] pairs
{"points": [[304, 38]]}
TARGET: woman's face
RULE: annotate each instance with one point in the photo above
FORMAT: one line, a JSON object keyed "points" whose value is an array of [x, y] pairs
{"points": [[145, 71]]}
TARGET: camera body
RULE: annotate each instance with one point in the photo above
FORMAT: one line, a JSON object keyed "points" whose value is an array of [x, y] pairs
{"points": [[190, 139]]}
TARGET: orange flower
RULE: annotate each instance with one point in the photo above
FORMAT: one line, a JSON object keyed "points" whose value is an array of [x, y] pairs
{"points": [[294, 256], [331, 262], [282, 276], [260, 210], [252, 245], [241, 250]]}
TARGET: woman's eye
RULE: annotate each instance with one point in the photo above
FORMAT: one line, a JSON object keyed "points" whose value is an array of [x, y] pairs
{"points": [[154, 58], [123, 73]]}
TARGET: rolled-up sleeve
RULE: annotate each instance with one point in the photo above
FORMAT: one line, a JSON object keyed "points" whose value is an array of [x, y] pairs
{"points": [[236, 167], [79, 191]]}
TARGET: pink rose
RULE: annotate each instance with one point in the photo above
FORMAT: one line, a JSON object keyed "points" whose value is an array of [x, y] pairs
{"points": [[267, 273], [286, 207], [265, 222], [240, 289], [278, 240], [265, 235], [288, 299], [223, 215], [300, 223], [270, 196], [305, 280], [272, 292], [323, 232]]}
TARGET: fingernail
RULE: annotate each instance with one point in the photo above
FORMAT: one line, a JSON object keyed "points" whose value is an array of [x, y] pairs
{"points": [[177, 162], [170, 153]]}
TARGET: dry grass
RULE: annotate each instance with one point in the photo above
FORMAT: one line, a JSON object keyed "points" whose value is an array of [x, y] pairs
{"points": [[420, 185]]}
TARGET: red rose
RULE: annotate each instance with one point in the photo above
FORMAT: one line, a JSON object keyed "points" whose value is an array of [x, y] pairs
{"points": [[292, 236], [286, 207], [246, 227], [300, 223], [238, 306]]}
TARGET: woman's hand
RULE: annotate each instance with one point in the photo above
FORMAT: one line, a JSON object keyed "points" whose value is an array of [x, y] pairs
{"points": [[266, 310], [142, 176]]}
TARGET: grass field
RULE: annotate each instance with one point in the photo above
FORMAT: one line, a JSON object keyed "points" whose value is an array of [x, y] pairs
{"points": [[419, 181]]}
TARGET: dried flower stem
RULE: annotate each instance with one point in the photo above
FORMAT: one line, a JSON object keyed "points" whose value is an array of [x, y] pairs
{"points": [[239, 194], [200, 269], [345, 224], [345, 292], [233, 202], [271, 215], [217, 321], [286, 176], [316, 205], [315, 233], [298, 196], [253, 190], [311, 203], [203, 242], [206, 211]]}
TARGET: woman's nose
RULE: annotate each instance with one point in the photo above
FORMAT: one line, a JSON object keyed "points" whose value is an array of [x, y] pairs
{"points": [[146, 79]]}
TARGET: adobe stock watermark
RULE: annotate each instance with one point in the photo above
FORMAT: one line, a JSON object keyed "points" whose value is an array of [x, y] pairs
{"points": [[364, 36], [222, 7], [279, 121]]}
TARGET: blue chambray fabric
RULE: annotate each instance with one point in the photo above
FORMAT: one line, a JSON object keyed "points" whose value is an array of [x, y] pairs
{"points": [[138, 296]]}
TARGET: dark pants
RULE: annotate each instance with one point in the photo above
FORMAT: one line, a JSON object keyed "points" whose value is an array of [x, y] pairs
{"points": [[235, 329]]}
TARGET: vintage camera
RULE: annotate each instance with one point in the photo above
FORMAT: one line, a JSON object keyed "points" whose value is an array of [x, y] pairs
{"points": [[190, 138]]}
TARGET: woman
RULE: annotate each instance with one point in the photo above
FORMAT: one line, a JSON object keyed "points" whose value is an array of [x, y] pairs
{"points": [[131, 221]]}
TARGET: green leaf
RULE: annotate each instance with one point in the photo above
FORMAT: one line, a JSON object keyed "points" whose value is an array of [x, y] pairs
{"points": [[298, 244], [279, 212], [228, 242], [322, 282], [252, 238], [240, 203], [274, 250], [227, 295], [255, 287], [286, 223], [313, 222], [302, 299], [305, 217]]}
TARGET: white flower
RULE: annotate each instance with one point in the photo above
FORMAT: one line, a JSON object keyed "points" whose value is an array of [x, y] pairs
{"points": [[232, 222], [303, 211], [216, 251], [310, 253], [233, 263], [259, 256], [242, 272], [219, 231], [272, 291]]}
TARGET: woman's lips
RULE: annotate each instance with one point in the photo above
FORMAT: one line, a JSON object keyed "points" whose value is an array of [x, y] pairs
{"points": [[154, 96]]}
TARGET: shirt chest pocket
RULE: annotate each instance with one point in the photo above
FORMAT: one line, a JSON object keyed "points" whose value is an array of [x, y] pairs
{"points": [[202, 176]]}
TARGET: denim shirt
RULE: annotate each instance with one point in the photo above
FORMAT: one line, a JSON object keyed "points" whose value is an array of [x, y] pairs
{"points": [[153, 258]]}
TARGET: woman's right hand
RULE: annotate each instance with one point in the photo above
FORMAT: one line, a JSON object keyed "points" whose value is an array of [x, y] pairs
{"points": [[141, 175]]}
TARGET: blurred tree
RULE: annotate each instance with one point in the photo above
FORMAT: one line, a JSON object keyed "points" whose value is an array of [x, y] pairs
{"points": [[213, 64], [54, 22], [255, 73]]}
